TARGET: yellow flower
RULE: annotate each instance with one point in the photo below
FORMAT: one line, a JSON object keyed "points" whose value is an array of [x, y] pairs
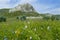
{"points": [[17, 32]]}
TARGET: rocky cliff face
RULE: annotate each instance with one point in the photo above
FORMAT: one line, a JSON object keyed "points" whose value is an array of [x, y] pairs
{"points": [[23, 7]]}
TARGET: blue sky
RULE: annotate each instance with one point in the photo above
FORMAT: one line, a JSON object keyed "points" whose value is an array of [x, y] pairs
{"points": [[42, 6]]}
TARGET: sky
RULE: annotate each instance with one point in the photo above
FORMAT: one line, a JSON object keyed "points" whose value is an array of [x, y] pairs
{"points": [[41, 6]]}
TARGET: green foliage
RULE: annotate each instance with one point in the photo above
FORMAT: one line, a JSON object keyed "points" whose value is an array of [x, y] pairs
{"points": [[46, 18], [5, 12], [2, 19], [50, 18], [53, 18], [30, 30], [22, 18]]}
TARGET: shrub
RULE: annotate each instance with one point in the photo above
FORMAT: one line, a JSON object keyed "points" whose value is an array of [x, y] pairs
{"points": [[53, 18], [17, 17], [21, 18], [2, 19]]}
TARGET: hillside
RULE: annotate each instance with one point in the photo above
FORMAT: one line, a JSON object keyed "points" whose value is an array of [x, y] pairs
{"points": [[20, 9], [3, 12]]}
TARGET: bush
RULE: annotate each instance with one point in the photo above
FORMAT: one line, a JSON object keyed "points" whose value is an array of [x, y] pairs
{"points": [[21, 18], [2, 19], [17, 17], [53, 18]]}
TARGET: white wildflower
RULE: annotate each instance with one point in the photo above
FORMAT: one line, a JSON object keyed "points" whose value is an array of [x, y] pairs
{"points": [[34, 29], [26, 26], [15, 31], [28, 22], [48, 28], [56, 34], [41, 28], [30, 37], [57, 39], [12, 39], [5, 38]]}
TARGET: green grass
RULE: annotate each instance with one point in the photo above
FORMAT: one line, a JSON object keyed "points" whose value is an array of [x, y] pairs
{"points": [[24, 30]]}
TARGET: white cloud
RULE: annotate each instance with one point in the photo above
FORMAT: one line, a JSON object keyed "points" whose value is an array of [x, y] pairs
{"points": [[25, 1], [29, 1], [4, 3], [42, 8], [55, 11]]}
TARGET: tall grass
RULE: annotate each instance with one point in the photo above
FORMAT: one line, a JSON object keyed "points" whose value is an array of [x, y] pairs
{"points": [[30, 30]]}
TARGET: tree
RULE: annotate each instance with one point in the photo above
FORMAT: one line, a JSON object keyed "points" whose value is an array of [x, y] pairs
{"points": [[53, 18], [23, 17]]}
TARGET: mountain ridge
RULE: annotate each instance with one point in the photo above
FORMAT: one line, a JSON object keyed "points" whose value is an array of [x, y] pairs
{"points": [[23, 7], [20, 9]]}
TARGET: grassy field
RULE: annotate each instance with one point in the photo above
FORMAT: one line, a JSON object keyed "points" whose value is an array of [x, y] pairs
{"points": [[29, 30]]}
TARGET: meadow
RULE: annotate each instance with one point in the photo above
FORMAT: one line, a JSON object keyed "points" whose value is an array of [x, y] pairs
{"points": [[29, 29]]}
